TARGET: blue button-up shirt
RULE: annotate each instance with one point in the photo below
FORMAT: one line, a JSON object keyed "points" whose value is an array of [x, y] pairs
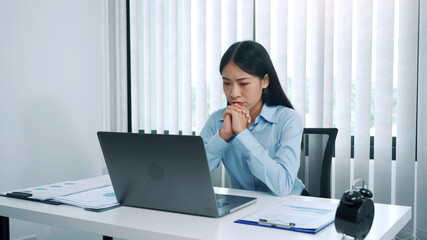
{"points": [[264, 157]]}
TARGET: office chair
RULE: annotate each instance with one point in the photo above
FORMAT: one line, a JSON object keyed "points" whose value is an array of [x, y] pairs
{"points": [[316, 158]]}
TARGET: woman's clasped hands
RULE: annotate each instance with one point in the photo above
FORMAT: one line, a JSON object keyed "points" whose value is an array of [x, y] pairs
{"points": [[236, 119]]}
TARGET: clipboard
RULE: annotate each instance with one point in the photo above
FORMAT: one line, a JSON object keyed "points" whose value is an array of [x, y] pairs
{"points": [[292, 215], [294, 228]]}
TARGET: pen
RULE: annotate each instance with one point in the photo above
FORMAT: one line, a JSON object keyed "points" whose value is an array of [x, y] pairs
{"points": [[265, 222]]}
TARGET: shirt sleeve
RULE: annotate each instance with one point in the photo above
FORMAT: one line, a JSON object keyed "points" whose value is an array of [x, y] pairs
{"points": [[215, 146], [278, 170]]}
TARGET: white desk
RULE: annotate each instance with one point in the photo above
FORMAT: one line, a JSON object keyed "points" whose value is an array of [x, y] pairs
{"points": [[137, 223]]}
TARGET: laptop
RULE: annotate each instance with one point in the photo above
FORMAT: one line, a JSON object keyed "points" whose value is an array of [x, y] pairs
{"points": [[164, 172]]}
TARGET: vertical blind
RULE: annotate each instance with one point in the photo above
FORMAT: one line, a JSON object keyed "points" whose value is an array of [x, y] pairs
{"points": [[350, 66], [343, 36], [421, 165], [297, 50], [405, 73], [363, 88], [383, 90]]}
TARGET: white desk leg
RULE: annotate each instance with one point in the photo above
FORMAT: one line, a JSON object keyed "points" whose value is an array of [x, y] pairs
{"points": [[4, 228]]}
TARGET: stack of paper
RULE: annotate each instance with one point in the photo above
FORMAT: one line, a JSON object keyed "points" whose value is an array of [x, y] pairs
{"points": [[93, 199], [92, 194], [50, 191]]}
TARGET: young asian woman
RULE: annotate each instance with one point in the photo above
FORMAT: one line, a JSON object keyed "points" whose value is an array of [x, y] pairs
{"points": [[258, 135]]}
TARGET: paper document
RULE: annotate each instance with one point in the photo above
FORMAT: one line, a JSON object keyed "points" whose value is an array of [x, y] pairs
{"points": [[98, 198], [294, 215], [94, 194], [49, 191]]}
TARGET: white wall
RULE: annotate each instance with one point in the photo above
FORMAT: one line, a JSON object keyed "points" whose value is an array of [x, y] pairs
{"points": [[51, 96]]}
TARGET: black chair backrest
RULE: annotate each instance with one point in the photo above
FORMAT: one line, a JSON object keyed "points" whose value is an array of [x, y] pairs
{"points": [[316, 159]]}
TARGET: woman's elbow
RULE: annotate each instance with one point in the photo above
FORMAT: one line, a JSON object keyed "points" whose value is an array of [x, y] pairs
{"points": [[284, 189]]}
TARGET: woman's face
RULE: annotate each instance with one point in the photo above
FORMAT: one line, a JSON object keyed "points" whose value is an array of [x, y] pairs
{"points": [[243, 88]]}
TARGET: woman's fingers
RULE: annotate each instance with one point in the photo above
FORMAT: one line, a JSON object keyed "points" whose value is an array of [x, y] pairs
{"points": [[238, 121], [230, 112], [242, 109], [237, 108]]}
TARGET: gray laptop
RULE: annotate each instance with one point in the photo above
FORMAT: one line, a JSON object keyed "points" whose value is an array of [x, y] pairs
{"points": [[164, 172]]}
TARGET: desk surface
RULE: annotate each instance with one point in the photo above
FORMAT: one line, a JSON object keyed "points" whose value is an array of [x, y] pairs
{"points": [[135, 223]]}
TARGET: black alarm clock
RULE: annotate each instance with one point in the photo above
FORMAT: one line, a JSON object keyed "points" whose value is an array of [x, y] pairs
{"points": [[355, 212]]}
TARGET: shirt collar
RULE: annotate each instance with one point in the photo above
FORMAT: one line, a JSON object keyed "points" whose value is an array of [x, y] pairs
{"points": [[267, 113]]}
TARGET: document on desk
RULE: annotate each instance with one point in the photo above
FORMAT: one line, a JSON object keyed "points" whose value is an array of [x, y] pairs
{"points": [[94, 199], [294, 215], [72, 193]]}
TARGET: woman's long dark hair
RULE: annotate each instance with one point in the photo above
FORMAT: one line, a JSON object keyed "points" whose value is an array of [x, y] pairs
{"points": [[253, 58]]}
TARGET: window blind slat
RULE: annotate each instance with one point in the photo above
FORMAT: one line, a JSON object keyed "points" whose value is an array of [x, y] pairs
{"points": [[213, 43], [328, 65], [383, 99], [159, 67], [121, 75], [279, 39], [262, 23], [245, 20], [328, 95], [229, 23], [406, 102], [298, 9], [173, 67], [316, 48], [343, 96], [134, 71], [199, 61], [146, 65], [185, 68], [363, 89]]}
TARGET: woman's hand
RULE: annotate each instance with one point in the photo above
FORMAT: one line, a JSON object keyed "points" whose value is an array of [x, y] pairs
{"points": [[236, 119], [226, 131]]}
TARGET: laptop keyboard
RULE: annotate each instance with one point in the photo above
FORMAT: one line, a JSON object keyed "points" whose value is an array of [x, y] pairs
{"points": [[219, 196], [221, 204]]}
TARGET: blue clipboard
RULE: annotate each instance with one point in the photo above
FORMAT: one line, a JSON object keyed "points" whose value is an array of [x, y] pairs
{"points": [[293, 215], [289, 228]]}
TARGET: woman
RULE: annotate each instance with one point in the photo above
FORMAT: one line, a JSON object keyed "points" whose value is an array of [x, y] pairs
{"points": [[258, 135]]}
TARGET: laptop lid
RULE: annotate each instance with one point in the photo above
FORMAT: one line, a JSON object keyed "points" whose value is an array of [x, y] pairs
{"points": [[164, 172]]}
